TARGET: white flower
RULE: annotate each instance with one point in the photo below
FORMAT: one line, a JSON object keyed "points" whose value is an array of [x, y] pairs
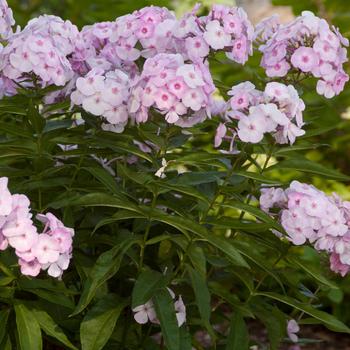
{"points": [[252, 128], [189, 74], [145, 313], [215, 35], [161, 170]]}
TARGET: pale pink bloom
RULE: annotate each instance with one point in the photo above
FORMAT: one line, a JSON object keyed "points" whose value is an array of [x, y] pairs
{"points": [[5, 197], [251, 128], [95, 104], [56, 269], [290, 132], [47, 249], [196, 47], [116, 115], [232, 24], [164, 99], [216, 36], [144, 313], [292, 330], [194, 99], [180, 309], [191, 77], [175, 112], [305, 58], [276, 90], [239, 50], [337, 266], [271, 197], [24, 241], [280, 69], [177, 87], [30, 268], [325, 50], [91, 84], [275, 54], [220, 134]]}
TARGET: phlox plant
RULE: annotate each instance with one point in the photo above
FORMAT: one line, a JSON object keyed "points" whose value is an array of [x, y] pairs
{"points": [[142, 202]]}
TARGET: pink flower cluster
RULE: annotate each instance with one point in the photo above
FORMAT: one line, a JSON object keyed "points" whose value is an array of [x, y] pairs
{"points": [[147, 312], [309, 215], [278, 110], [178, 90], [153, 30], [40, 49], [306, 45], [49, 250], [106, 95], [228, 29]]}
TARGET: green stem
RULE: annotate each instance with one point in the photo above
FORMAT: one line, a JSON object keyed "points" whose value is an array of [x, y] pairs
{"points": [[146, 234], [218, 191]]}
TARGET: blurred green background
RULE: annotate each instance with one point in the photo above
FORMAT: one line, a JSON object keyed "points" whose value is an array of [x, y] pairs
{"points": [[328, 120]]}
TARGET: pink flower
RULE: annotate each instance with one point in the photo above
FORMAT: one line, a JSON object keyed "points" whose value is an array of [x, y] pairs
{"points": [[144, 313], [191, 77], [164, 99], [337, 266], [216, 36], [5, 197], [47, 249], [305, 59], [194, 99], [220, 134], [251, 128], [61, 264], [232, 24], [280, 69], [196, 47], [292, 330], [325, 50], [30, 268]]}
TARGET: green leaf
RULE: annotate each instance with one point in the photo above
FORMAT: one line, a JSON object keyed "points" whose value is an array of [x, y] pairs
{"points": [[258, 213], [315, 273], [166, 315], [246, 250], [274, 320], [328, 320], [49, 326], [238, 338], [222, 292], [98, 324], [239, 225], [139, 178], [307, 166], [6, 343], [146, 285], [188, 190], [106, 266], [219, 242], [185, 339], [4, 315], [257, 177], [37, 121], [198, 259], [104, 177], [120, 215], [202, 296], [28, 328], [99, 199], [197, 178]]}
